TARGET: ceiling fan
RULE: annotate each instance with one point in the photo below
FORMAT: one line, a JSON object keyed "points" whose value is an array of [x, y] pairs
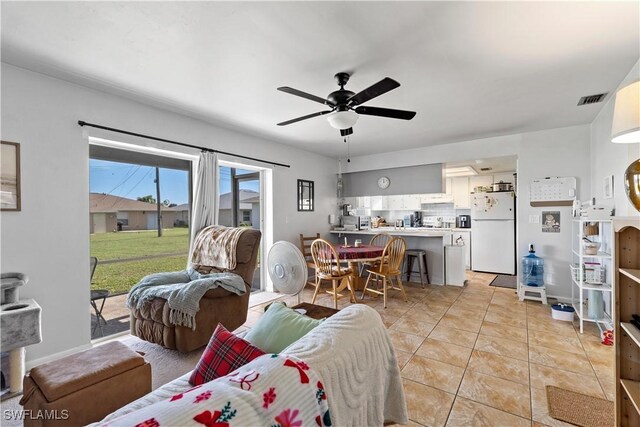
{"points": [[346, 105]]}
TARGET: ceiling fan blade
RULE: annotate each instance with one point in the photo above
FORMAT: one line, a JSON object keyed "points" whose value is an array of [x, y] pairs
{"points": [[386, 112], [302, 94], [383, 86], [308, 116]]}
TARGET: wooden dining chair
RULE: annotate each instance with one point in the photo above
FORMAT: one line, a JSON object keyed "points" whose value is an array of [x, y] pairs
{"points": [[381, 240], [328, 268], [388, 269], [305, 247]]}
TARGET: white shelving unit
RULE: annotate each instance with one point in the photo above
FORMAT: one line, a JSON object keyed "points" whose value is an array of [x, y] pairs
{"points": [[578, 276]]}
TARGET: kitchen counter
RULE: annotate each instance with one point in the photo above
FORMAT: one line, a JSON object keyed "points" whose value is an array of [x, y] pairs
{"points": [[422, 232], [432, 240]]}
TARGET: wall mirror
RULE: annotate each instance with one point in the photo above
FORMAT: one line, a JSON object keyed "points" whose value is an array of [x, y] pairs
{"points": [[305, 195]]}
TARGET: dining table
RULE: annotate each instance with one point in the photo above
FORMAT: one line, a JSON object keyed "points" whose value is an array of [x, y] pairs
{"points": [[354, 255]]}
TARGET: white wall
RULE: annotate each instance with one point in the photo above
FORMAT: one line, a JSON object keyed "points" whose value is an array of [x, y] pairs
{"points": [[49, 239], [555, 152], [608, 158]]}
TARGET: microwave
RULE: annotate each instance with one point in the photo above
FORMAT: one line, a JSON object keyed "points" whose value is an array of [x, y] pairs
{"points": [[358, 221]]}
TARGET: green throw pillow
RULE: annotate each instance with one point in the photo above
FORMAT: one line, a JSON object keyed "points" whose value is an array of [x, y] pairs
{"points": [[278, 327]]}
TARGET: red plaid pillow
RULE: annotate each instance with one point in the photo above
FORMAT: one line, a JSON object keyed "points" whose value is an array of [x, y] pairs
{"points": [[224, 354]]}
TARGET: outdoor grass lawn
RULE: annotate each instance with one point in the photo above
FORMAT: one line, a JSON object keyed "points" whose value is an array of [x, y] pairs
{"points": [[130, 244], [121, 276]]}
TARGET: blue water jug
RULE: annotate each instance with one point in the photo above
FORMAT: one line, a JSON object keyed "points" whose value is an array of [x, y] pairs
{"points": [[532, 269]]}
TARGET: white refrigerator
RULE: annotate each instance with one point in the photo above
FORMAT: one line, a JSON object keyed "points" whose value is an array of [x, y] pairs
{"points": [[493, 232]]}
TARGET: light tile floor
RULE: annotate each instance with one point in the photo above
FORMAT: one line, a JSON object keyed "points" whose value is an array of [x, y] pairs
{"points": [[476, 356]]}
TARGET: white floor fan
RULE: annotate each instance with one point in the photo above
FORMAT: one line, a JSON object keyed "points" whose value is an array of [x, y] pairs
{"points": [[287, 269]]}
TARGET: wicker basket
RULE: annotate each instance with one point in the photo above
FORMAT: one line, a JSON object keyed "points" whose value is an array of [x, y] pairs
{"points": [[594, 273]]}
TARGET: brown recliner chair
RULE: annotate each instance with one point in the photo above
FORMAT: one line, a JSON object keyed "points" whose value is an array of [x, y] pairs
{"points": [[151, 323]]}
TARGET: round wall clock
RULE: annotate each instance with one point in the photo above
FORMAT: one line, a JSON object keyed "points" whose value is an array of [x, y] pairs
{"points": [[384, 182]]}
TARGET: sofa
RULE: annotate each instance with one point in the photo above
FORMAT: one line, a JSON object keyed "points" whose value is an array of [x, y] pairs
{"points": [[351, 353], [151, 323]]}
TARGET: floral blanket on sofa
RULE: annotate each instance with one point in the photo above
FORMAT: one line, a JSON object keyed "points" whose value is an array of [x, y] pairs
{"points": [[272, 390]]}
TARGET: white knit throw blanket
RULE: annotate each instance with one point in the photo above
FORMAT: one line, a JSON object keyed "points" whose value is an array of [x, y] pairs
{"points": [[358, 369], [215, 246], [183, 291]]}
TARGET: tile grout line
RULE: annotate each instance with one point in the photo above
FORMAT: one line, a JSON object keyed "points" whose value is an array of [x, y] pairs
{"points": [[526, 313], [471, 355]]}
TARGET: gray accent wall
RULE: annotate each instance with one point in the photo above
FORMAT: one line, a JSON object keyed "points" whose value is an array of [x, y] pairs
{"points": [[422, 179]]}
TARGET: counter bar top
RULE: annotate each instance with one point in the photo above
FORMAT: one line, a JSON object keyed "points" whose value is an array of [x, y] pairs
{"points": [[408, 232]]}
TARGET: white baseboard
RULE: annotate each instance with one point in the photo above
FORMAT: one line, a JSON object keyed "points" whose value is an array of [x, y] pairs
{"points": [[565, 300], [33, 363]]}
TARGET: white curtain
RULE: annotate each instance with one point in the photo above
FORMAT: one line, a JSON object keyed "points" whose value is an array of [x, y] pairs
{"points": [[204, 211]]}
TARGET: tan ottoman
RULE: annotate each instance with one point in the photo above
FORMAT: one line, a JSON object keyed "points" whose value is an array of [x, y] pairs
{"points": [[84, 387]]}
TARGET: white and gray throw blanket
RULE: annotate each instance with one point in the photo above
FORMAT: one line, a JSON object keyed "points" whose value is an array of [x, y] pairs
{"points": [[183, 291], [215, 246]]}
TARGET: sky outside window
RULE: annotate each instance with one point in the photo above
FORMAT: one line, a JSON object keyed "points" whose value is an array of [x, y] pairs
{"points": [[133, 181]]}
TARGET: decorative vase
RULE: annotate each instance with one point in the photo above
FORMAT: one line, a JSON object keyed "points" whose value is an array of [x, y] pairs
{"points": [[632, 183]]}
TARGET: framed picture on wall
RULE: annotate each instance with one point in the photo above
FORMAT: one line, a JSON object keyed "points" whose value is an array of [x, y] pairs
{"points": [[550, 221], [10, 176], [305, 195], [607, 187]]}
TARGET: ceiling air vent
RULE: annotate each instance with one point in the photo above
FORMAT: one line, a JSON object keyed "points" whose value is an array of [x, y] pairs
{"points": [[485, 169], [592, 99]]}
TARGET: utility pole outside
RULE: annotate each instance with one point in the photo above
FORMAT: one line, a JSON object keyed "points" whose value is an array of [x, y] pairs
{"points": [[158, 203]]}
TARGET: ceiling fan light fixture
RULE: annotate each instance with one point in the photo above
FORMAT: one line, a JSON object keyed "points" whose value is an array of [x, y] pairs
{"points": [[342, 119]]}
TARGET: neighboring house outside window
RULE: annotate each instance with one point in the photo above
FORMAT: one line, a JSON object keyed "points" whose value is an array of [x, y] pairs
{"points": [[123, 218]]}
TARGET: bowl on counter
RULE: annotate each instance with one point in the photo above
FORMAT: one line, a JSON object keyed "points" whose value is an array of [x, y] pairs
{"points": [[590, 248]]}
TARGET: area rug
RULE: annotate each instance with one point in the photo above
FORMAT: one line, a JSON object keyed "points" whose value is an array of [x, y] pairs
{"points": [[166, 365], [504, 281], [579, 409]]}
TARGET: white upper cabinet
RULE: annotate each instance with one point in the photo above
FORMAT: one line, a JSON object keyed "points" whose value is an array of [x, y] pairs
{"points": [[460, 191], [379, 203], [364, 202], [395, 202], [411, 202], [406, 202]]}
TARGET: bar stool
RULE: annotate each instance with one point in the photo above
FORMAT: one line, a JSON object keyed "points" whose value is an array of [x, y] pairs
{"points": [[421, 256]]}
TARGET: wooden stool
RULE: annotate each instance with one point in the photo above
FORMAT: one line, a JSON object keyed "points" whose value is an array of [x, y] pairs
{"points": [[421, 256]]}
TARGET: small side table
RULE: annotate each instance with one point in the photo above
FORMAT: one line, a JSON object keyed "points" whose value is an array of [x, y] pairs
{"points": [[95, 296], [316, 311]]}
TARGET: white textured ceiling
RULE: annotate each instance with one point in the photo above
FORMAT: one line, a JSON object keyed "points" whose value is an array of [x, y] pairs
{"points": [[496, 164], [469, 69]]}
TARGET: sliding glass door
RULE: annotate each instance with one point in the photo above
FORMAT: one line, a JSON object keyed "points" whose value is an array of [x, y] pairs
{"points": [[241, 204], [139, 224]]}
